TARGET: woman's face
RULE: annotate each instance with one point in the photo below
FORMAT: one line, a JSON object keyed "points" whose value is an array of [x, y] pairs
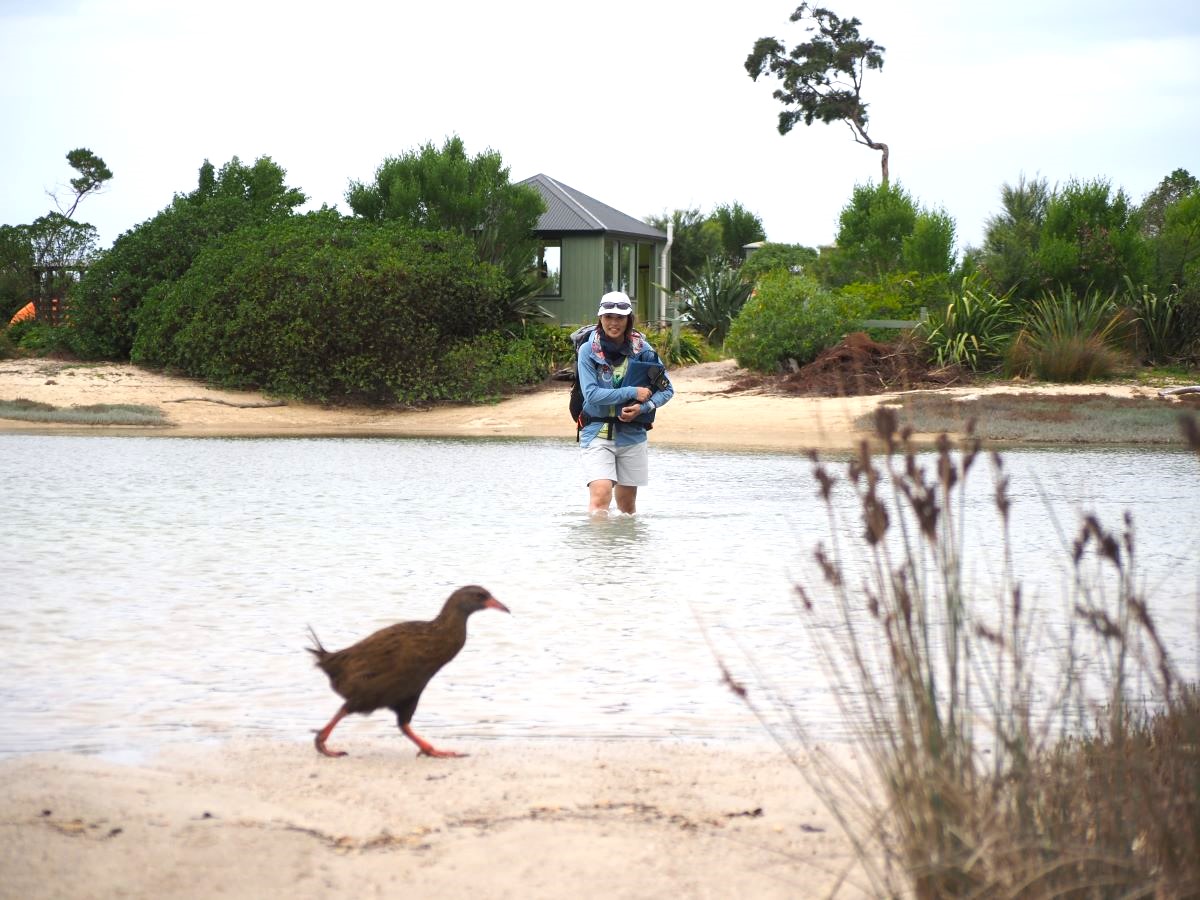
{"points": [[614, 326]]}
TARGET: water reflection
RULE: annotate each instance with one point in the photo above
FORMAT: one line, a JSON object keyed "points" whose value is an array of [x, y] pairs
{"points": [[159, 590]]}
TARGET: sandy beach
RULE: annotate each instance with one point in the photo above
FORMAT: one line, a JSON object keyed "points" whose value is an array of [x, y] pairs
{"points": [[620, 819], [514, 819], [704, 413]]}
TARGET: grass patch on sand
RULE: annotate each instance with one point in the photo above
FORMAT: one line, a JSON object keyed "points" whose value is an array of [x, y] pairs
{"points": [[95, 414], [1043, 418]]}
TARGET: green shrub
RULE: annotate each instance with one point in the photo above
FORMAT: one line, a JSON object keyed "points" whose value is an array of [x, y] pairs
{"points": [[482, 368], [773, 256], [103, 305], [680, 349], [323, 307], [789, 317], [40, 338]]}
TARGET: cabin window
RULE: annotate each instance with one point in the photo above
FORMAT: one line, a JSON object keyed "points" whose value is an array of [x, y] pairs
{"points": [[620, 267], [549, 267]]}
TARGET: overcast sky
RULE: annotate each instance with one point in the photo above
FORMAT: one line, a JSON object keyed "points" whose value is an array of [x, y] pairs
{"points": [[640, 104]]}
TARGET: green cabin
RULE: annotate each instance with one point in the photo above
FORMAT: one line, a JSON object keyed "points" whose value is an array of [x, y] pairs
{"points": [[588, 249]]}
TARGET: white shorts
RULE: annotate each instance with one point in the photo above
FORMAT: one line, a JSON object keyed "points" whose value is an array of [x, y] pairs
{"points": [[628, 465]]}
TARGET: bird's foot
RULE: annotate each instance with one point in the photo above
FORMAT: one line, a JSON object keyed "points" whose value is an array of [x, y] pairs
{"points": [[325, 751], [440, 754]]}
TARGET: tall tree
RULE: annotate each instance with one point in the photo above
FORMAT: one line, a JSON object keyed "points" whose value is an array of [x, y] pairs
{"points": [[92, 175], [1091, 240], [1010, 242], [739, 227], [444, 189], [1171, 189], [695, 240], [822, 77]]}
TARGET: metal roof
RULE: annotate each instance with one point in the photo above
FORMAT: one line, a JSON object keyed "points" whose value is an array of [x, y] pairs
{"points": [[569, 210]]}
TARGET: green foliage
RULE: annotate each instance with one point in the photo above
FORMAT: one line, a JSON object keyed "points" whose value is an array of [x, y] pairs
{"points": [[822, 78], [551, 344], [678, 346], [17, 282], [1090, 240], [1153, 211], [974, 330], [323, 307], [882, 231], [1175, 246], [93, 173], [712, 298], [40, 338], [929, 248], [155, 253], [900, 295], [693, 243], [1068, 338], [444, 190], [738, 227], [1007, 259], [484, 368], [1153, 317], [789, 317], [772, 256]]}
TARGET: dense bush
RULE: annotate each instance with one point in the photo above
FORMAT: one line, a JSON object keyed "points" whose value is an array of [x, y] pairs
{"points": [[103, 306], [39, 338], [899, 296], [771, 256], [324, 307], [678, 349], [789, 317]]}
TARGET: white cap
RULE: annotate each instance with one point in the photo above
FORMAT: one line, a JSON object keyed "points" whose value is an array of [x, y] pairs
{"points": [[614, 303]]}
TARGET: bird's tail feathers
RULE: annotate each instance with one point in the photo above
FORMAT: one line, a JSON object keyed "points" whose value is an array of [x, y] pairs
{"points": [[316, 649]]}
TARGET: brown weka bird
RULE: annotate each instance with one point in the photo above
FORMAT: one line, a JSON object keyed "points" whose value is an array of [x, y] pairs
{"points": [[391, 667]]}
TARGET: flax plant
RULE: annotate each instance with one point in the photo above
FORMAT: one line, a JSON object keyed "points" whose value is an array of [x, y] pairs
{"points": [[1069, 338], [974, 330]]}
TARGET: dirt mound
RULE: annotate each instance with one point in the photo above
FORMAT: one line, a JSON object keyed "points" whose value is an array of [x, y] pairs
{"points": [[858, 365]]}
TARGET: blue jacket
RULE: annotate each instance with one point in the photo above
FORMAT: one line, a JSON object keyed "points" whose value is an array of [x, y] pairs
{"points": [[601, 399]]}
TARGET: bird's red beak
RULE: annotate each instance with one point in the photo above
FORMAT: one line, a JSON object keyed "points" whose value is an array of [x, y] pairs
{"points": [[493, 603]]}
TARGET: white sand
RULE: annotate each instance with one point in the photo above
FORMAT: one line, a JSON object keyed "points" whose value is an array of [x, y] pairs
{"points": [[594, 819]]}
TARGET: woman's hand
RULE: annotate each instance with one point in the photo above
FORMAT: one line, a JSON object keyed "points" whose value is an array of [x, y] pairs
{"points": [[631, 412], [643, 393]]}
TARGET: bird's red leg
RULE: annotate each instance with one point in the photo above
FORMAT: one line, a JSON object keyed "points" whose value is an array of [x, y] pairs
{"points": [[427, 749], [323, 734]]}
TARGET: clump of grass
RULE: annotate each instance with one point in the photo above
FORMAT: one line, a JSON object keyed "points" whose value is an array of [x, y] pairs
{"points": [[1067, 338], [93, 414], [1041, 418], [998, 774]]}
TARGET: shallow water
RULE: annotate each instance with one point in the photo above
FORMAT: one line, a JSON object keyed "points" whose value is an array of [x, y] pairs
{"points": [[159, 590]]}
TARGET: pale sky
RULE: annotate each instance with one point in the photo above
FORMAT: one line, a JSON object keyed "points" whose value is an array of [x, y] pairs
{"points": [[644, 105]]}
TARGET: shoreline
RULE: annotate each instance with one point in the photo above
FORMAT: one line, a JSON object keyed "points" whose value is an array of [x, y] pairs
{"points": [[705, 413]]}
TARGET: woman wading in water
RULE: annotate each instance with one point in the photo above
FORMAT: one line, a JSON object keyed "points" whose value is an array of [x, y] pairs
{"points": [[623, 382]]}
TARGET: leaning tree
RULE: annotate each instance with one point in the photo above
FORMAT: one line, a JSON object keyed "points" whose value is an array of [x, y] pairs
{"points": [[822, 77]]}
